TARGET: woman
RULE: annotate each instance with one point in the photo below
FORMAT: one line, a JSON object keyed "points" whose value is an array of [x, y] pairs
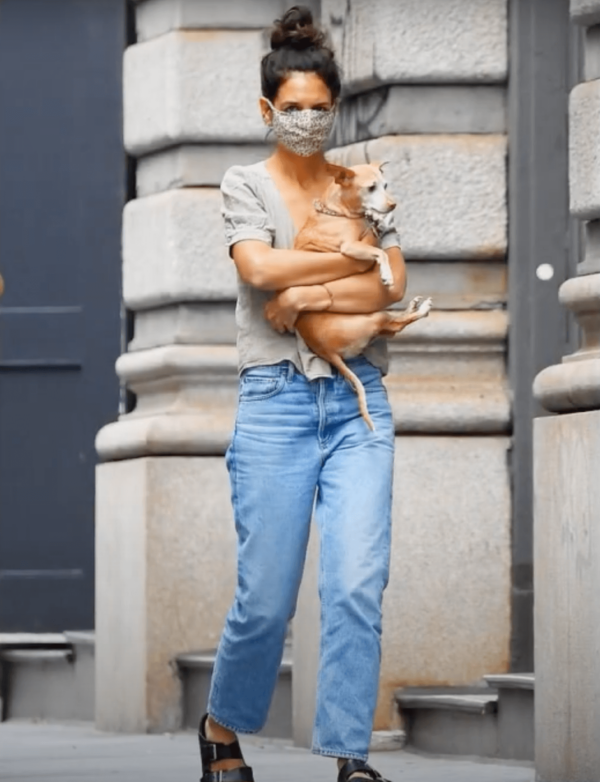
{"points": [[299, 440]]}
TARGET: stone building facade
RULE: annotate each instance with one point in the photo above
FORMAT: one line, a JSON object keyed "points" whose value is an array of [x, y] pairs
{"points": [[426, 90]]}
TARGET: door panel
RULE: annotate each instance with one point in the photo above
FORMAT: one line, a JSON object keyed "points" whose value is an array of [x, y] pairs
{"points": [[62, 189]]}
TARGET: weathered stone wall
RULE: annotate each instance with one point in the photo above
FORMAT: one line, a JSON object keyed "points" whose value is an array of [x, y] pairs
{"points": [[567, 466], [426, 91]]}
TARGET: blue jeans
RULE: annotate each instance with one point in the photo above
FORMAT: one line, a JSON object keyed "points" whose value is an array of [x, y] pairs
{"points": [[299, 444]]}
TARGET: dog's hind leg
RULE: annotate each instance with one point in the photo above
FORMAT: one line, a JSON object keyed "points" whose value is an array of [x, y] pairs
{"points": [[338, 363], [417, 309]]}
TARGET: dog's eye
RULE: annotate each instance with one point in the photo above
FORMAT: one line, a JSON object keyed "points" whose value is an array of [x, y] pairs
{"points": [[385, 185], [372, 188]]}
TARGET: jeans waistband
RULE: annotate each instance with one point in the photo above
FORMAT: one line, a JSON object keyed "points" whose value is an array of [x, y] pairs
{"points": [[289, 369]]}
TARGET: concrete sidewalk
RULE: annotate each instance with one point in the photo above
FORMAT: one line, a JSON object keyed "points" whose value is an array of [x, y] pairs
{"points": [[62, 753]]}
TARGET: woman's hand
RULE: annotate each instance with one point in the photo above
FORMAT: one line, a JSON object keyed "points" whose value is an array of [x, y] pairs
{"points": [[283, 309]]}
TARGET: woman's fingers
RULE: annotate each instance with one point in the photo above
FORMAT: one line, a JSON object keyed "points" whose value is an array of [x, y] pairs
{"points": [[282, 317]]}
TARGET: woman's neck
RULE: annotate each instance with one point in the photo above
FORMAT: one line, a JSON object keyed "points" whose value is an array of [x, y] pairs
{"points": [[303, 170]]}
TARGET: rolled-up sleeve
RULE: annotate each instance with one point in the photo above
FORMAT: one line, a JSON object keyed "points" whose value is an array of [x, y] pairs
{"points": [[389, 239], [243, 210]]}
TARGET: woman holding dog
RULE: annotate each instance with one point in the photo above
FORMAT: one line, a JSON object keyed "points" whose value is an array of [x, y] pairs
{"points": [[299, 441]]}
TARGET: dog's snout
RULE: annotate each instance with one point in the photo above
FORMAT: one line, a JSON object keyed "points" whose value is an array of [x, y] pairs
{"points": [[391, 203]]}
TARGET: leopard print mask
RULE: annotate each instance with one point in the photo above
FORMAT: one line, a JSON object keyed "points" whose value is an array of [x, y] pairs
{"points": [[303, 132]]}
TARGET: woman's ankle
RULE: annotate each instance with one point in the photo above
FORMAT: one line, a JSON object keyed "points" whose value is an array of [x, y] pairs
{"points": [[216, 732]]}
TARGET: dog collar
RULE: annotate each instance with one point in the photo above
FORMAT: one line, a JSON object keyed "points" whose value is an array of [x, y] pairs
{"points": [[320, 207]]}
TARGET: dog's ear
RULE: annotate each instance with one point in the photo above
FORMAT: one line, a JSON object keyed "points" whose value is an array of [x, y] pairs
{"points": [[341, 175], [380, 165]]}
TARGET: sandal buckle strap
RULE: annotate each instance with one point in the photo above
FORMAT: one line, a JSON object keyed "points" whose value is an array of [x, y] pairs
{"points": [[212, 751], [243, 774], [353, 765]]}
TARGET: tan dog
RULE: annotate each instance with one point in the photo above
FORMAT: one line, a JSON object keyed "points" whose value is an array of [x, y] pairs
{"points": [[343, 221]]}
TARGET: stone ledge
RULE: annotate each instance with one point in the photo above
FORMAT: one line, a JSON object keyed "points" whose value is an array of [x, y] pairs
{"points": [[458, 409], [156, 17], [451, 192], [174, 94], [200, 165], [569, 387], [416, 109], [511, 681], [205, 660], [32, 640], [409, 42], [150, 365], [36, 656], [206, 323], [459, 328], [471, 703], [584, 146], [581, 295], [165, 435], [586, 12]]}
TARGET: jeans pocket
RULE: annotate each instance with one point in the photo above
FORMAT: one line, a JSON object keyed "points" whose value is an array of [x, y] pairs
{"points": [[256, 385]]}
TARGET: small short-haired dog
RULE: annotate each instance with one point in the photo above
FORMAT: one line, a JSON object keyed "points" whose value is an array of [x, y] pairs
{"points": [[345, 220]]}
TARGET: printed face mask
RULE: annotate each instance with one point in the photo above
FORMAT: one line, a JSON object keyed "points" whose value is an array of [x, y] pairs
{"points": [[302, 132]]}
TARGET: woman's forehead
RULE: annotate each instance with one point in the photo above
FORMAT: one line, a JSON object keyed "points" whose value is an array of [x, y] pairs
{"points": [[303, 85]]}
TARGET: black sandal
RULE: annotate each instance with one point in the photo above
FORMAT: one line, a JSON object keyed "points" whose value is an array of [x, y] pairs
{"points": [[352, 766], [211, 752]]}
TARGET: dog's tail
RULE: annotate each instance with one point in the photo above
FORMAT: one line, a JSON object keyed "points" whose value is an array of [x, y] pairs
{"points": [[338, 363]]}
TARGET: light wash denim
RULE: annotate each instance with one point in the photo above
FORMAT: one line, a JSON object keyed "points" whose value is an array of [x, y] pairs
{"points": [[298, 444]]}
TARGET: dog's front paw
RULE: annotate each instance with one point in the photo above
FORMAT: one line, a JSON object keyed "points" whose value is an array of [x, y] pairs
{"points": [[414, 305], [424, 307], [420, 306], [387, 276], [385, 270]]}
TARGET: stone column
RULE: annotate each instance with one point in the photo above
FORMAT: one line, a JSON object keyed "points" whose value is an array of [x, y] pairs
{"points": [[165, 536], [567, 477]]}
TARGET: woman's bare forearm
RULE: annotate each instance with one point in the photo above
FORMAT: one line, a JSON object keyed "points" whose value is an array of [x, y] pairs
{"points": [[358, 293], [269, 269]]}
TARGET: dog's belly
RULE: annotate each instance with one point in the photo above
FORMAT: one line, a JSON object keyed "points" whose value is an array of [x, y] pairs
{"points": [[332, 333]]}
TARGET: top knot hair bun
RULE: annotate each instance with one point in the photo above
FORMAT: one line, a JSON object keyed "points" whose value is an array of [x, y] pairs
{"points": [[297, 44], [296, 30]]}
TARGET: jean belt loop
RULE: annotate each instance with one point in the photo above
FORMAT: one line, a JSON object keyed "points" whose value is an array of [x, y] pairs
{"points": [[291, 370]]}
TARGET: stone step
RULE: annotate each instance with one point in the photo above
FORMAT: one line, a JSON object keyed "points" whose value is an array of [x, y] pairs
{"points": [[450, 721], [496, 721], [47, 677], [516, 719], [195, 669]]}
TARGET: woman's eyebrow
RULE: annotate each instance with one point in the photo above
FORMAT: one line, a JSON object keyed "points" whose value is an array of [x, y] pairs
{"points": [[288, 104]]}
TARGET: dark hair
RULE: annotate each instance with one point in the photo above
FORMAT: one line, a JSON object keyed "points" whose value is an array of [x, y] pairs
{"points": [[297, 45]]}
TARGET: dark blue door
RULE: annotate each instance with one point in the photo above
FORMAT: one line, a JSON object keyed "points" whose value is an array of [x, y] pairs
{"points": [[62, 189]]}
